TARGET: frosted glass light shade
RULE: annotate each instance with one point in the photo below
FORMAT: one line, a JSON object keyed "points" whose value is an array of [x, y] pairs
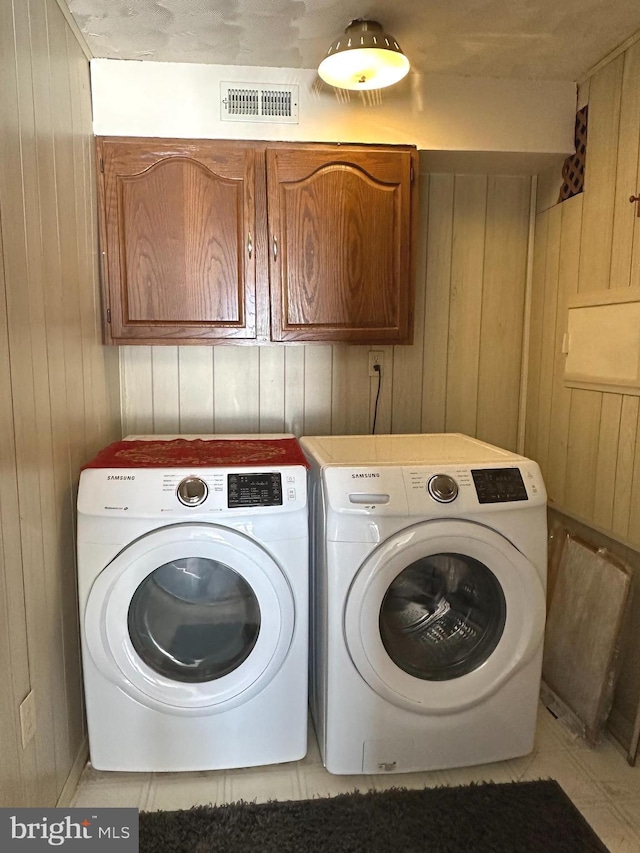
{"points": [[364, 58]]}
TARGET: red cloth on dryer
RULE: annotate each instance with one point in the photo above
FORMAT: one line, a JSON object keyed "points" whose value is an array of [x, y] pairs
{"points": [[198, 452]]}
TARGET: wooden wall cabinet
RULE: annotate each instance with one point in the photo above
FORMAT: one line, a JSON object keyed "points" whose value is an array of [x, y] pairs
{"points": [[340, 230], [177, 225], [209, 241]]}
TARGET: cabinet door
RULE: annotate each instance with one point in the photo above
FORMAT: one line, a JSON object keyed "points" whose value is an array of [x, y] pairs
{"points": [[178, 240], [340, 221]]}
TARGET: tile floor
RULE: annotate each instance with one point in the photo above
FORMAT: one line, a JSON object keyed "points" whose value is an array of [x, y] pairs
{"points": [[599, 781]]}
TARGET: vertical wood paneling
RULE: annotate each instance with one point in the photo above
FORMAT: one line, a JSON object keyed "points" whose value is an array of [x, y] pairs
{"points": [[635, 257], [503, 297], [320, 389], [317, 390], [11, 778], [93, 373], [294, 389], [592, 466], [105, 362], [625, 466], [18, 770], [634, 507], [58, 501], [195, 390], [584, 431], [137, 390], [439, 244], [548, 341], [17, 201], [469, 221], [555, 474], [68, 237], [536, 333], [624, 213], [548, 188], [406, 405], [271, 389], [53, 382], [62, 699], [350, 391], [235, 386], [77, 65], [166, 399], [607, 457], [600, 175]]}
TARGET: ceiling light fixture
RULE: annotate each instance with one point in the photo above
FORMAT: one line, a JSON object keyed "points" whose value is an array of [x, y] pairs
{"points": [[365, 57]]}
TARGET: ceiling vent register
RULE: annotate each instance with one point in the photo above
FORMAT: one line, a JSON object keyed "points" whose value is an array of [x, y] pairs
{"points": [[255, 102]]}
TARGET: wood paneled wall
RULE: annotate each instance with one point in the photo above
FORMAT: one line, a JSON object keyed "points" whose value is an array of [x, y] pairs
{"points": [[588, 442], [462, 373], [58, 387]]}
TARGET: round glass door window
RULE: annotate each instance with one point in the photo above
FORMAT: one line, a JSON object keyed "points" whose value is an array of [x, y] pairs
{"points": [[442, 617], [194, 619]]}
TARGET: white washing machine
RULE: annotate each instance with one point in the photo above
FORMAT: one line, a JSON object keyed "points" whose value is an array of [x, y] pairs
{"points": [[193, 592], [428, 601]]}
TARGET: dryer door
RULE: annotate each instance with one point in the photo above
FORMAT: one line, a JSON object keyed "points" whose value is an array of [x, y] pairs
{"points": [[190, 619], [442, 614]]}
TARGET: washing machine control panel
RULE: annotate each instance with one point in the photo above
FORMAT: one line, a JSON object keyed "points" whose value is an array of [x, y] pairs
{"points": [[456, 489], [499, 485]]}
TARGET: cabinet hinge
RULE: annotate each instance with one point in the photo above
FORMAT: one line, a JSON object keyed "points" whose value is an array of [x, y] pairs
{"points": [[108, 315], [413, 174]]}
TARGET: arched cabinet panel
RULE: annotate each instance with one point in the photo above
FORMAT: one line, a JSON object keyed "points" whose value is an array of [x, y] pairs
{"points": [[341, 266], [177, 230]]}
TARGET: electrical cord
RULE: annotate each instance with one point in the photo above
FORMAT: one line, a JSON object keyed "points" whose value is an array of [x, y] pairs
{"points": [[377, 369]]}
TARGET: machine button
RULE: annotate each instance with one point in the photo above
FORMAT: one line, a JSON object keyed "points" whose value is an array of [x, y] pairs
{"points": [[443, 488], [192, 491]]}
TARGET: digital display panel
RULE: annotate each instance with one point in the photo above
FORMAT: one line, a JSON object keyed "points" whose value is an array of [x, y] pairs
{"points": [[499, 485], [254, 490]]}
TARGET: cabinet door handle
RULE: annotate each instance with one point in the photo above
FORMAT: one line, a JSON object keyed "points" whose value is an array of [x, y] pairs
{"points": [[275, 248], [249, 245], [636, 199]]}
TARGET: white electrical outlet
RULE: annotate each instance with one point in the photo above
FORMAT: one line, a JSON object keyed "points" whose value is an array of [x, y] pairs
{"points": [[28, 718], [375, 357]]}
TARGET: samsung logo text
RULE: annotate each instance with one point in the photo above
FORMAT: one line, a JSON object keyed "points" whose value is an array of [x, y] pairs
{"points": [[121, 476], [364, 476]]}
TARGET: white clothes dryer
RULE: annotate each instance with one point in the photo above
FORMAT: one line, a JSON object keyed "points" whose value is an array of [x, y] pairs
{"points": [[428, 601], [193, 593]]}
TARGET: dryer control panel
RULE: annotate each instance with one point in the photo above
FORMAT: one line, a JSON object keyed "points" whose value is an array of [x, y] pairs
{"points": [[180, 492], [254, 489]]}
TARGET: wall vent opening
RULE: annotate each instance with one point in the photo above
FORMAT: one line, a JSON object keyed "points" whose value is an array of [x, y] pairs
{"points": [[257, 102]]}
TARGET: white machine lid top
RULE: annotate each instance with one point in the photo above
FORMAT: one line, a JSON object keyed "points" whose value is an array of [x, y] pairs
{"points": [[425, 448]]}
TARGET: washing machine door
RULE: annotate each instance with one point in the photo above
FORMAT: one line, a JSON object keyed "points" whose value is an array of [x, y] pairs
{"points": [[442, 614], [190, 619]]}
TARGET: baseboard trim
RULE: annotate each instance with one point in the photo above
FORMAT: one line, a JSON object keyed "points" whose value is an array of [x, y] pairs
{"points": [[66, 795]]}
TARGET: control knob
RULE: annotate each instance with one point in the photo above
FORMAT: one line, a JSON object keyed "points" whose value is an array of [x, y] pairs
{"points": [[443, 488], [192, 491]]}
